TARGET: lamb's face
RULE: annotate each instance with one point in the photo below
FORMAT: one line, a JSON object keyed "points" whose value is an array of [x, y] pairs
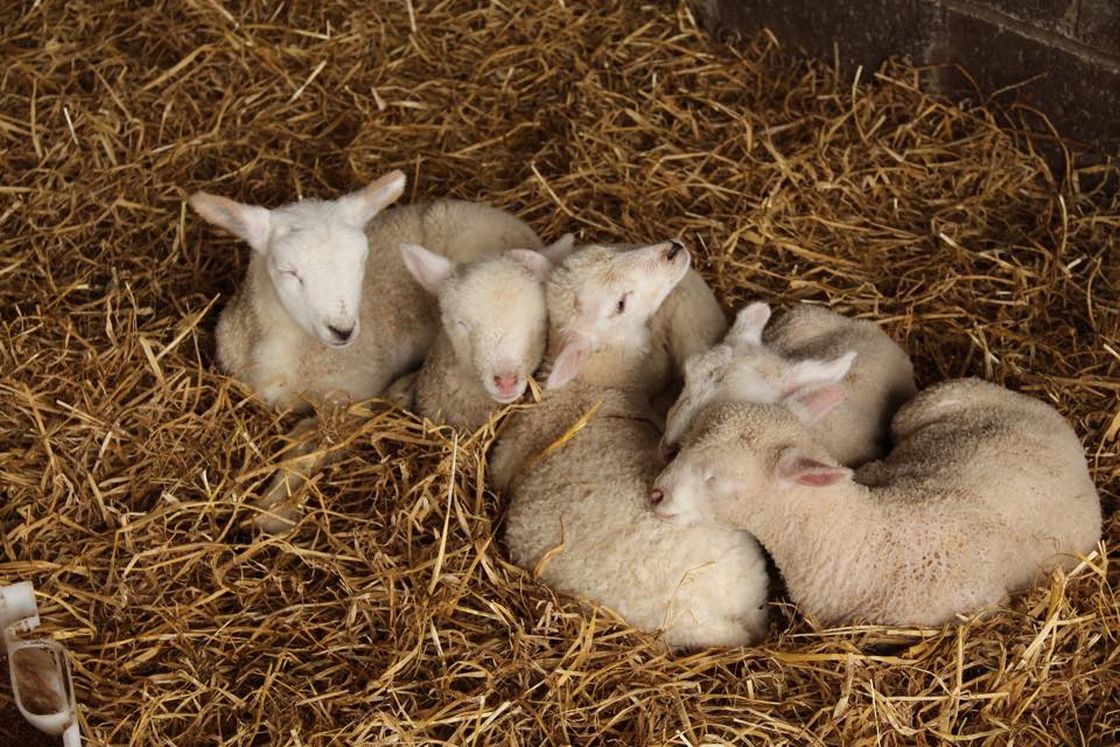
{"points": [[738, 460], [494, 313], [314, 252], [602, 296], [317, 264], [721, 466], [719, 375], [745, 372]]}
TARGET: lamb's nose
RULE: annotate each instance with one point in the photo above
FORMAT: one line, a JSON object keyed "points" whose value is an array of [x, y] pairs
{"points": [[676, 246], [656, 496], [341, 334], [505, 383]]}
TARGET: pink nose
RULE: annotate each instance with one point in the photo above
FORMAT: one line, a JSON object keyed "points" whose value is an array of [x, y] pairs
{"points": [[669, 451], [656, 496], [505, 384]]}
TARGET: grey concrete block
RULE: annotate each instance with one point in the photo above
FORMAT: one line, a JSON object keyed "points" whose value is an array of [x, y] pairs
{"points": [[1053, 15], [1098, 25], [1080, 95], [865, 32], [1069, 50]]}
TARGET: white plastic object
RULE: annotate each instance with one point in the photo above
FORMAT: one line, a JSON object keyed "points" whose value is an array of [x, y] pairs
{"points": [[39, 670]]}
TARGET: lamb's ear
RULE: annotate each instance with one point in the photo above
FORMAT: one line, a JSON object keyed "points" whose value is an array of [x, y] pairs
{"points": [[813, 402], [748, 326], [795, 466], [534, 262], [568, 361], [431, 270], [815, 371], [359, 208], [558, 250], [250, 223]]}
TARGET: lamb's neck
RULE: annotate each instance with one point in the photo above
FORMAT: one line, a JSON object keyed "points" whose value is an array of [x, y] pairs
{"points": [[819, 539], [442, 359], [447, 385]]}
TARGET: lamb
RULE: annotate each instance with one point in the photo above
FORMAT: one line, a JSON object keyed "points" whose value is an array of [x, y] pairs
{"points": [[494, 324], [807, 345], [985, 490], [310, 326], [577, 466]]}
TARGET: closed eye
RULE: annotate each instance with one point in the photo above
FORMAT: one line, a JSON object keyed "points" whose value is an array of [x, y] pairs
{"points": [[291, 273]]}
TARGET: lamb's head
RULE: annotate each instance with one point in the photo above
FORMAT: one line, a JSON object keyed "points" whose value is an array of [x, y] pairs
{"points": [[493, 311], [743, 369], [737, 457], [604, 296], [314, 251]]}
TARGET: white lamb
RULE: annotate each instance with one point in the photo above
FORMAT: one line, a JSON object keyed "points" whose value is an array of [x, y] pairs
{"points": [[806, 345], [310, 324], [494, 326], [985, 490], [577, 467], [327, 312]]}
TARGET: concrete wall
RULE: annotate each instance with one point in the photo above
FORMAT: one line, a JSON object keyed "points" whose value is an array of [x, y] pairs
{"points": [[1068, 50]]}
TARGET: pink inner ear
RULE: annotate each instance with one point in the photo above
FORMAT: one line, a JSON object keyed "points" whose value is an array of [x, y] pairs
{"points": [[431, 270], [568, 362], [820, 479], [251, 223], [816, 401], [796, 467], [374, 197]]}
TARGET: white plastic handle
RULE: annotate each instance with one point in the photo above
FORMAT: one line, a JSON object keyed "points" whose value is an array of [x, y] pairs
{"points": [[18, 608], [40, 672]]}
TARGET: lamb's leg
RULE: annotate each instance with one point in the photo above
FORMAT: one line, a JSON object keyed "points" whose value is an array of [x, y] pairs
{"points": [[282, 503], [402, 392]]}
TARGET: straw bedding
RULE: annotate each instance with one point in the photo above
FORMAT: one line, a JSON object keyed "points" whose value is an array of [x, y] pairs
{"points": [[128, 464]]}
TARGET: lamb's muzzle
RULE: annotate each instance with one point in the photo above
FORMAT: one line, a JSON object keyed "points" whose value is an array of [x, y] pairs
{"points": [[341, 334], [508, 387]]}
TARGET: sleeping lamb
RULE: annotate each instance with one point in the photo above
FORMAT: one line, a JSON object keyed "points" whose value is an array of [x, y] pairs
{"points": [[985, 490]]}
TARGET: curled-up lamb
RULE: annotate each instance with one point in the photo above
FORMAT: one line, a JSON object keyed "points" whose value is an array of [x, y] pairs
{"points": [[807, 345], [985, 490], [494, 327], [577, 466]]}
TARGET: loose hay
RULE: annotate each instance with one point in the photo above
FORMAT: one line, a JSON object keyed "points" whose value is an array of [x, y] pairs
{"points": [[392, 616]]}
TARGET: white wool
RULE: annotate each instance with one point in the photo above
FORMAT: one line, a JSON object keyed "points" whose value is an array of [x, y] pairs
{"points": [[985, 490], [327, 312], [807, 346], [494, 324], [577, 510]]}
